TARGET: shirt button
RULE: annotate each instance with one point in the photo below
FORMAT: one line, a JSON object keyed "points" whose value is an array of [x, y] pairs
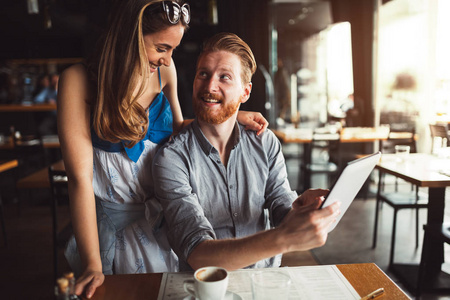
{"points": [[231, 186], [235, 214]]}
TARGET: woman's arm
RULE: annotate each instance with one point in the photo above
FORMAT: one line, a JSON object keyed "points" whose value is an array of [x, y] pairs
{"points": [[169, 80], [76, 146]]}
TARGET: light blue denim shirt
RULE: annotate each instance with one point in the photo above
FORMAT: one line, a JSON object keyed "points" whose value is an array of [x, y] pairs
{"points": [[203, 200]]}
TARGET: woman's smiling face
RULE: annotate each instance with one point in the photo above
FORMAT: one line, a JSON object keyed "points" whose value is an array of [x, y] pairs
{"points": [[160, 45]]}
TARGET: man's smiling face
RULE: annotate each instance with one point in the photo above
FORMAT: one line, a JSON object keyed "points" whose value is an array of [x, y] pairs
{"points": [[218, 87]]}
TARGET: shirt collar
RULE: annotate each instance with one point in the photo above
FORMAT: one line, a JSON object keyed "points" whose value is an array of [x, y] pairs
{"points": [[206, 145]]}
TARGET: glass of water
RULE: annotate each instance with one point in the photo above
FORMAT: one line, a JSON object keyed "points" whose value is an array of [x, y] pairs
{"points": [[402, 152], [270, 284]]}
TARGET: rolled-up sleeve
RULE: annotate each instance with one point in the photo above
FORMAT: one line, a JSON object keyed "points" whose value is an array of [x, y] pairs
{"points": [[185, 218]]}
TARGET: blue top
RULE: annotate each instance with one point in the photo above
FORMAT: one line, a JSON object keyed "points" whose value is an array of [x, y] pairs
{"points": [[160, 128]]}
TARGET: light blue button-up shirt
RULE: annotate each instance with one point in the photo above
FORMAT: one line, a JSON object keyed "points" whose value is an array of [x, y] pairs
{"points": [[202, 199]]}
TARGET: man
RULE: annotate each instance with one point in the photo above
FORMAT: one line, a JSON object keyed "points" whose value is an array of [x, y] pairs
{"points": [[219, 185]]}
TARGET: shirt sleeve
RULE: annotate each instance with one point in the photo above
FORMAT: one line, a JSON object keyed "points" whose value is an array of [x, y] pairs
{"points": [[185, 218], [279, 195]]}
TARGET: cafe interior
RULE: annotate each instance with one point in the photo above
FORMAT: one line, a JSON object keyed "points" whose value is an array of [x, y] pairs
{"points": [[337, 80]]}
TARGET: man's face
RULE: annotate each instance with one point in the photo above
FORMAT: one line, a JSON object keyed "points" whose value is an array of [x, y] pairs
{"points": [[218, 87]]}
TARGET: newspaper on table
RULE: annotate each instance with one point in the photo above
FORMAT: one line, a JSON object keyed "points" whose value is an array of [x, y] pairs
{"points": [[310, 282]]}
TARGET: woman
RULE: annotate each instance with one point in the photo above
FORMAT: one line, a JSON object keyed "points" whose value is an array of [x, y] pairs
{"points": [[113, 113]]}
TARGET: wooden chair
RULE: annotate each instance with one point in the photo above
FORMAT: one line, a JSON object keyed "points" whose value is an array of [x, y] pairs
{"points": [[29, 151], [321, 157], [439, 136], [398, 200], [58, 186], [395, 138]]}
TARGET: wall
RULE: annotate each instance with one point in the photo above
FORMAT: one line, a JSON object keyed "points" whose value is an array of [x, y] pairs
{"points": [[360, 14]]}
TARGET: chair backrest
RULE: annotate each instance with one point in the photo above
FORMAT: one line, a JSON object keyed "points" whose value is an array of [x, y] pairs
{"points": [[30, 151], [58, 186], [328, 143], [439, 136], [57, 178]]}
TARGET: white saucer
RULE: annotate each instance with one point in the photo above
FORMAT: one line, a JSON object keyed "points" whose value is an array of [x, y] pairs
{"points": [[228, 296]]}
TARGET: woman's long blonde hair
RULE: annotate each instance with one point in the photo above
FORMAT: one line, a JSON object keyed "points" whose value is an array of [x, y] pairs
{"points": [[117, 116]]}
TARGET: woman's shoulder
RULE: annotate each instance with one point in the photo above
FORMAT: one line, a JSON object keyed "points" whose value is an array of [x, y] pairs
{"points": [[74, 71], [74, 83]]}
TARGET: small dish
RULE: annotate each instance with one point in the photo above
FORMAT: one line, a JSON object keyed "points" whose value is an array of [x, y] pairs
{"points": [[228, 296]]}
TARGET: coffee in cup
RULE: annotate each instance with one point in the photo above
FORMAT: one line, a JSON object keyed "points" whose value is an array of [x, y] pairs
{"points": [[210, 283]]}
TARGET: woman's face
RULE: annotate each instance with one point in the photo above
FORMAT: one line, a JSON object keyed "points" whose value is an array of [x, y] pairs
{"points": [[160, 45]]}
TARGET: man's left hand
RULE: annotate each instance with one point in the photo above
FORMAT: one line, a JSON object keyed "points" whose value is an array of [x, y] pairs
{"points": [[309, 197]]}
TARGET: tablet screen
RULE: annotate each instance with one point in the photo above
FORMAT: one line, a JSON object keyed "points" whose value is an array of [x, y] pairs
{"points": [[350, 182]]}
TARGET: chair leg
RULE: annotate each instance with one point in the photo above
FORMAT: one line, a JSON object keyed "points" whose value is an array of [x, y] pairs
{"points": [[2, 219], [394, 228], [417, 217], [377, 207], [417, 227]]}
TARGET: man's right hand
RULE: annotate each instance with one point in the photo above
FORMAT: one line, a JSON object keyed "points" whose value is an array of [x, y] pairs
{"points": [[88, 282], [305, 226]]}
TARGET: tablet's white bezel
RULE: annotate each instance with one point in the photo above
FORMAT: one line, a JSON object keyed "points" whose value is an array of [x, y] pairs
{"points": [[350, 182]]}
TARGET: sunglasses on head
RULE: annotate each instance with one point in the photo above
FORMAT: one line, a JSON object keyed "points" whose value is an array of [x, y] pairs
{"points": [[174, 12]]}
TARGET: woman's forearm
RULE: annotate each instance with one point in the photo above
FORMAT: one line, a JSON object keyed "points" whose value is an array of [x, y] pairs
{"points": [[84, 222]]}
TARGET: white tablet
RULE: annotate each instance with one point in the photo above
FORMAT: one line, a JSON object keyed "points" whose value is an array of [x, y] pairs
{"points": [[350, 182]]}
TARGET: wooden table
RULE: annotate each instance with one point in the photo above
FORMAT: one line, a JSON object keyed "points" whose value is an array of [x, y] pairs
{"points": [[365, 278], [39, 179], [348, 134], [8, 164], [423, 170], [48, 142]]}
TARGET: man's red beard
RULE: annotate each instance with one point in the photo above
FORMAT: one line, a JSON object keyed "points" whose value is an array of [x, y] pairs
{"points": [[207, 114]]}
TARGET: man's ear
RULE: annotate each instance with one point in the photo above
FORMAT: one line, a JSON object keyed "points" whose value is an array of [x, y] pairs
{"points": [[246, 92]]}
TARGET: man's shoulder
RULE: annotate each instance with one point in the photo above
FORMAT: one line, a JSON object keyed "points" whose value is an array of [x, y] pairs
{"points": [[180, 141], [266, 142], [265, 137]]}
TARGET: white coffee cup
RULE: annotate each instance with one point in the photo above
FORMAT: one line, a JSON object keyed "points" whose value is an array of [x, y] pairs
{"points": [[210, 283]]}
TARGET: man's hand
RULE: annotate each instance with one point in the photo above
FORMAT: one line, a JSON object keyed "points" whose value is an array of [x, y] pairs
{"points": [[306, 226]]}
